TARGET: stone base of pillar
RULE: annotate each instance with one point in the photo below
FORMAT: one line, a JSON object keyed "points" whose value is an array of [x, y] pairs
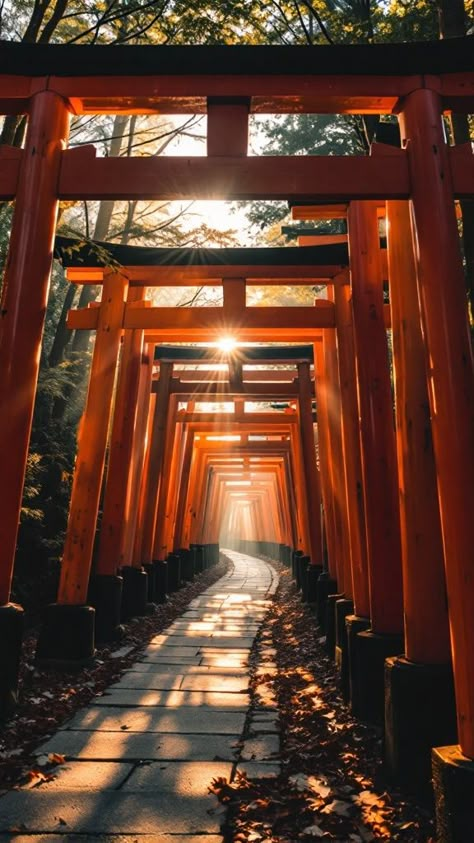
{"points": [[331, 623], [161, 581], [354, 625], [66, 640], [453, 784], [326, 586], [105, 595], [135, 592], [313, 572], [187, 564], [11, 634], [344, 607], [367, 693], [301, 565], [150, 572], [198, 557], [174, 573], [420, 713]]}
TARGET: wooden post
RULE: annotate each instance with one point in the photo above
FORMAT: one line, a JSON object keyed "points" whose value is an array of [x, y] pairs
{"points": [[23, 307], [178, 538], [376, 420], [157, 448], [310, 470], [92, 441], [343, 560], [351, 450], [451, 376], [120, 449], [325, 457]]}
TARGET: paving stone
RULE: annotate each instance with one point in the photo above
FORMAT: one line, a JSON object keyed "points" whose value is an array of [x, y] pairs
{"points": [[91, 775], [163, 658], [178, 651], [145, 681], [186, 721], [262, 748], [222, 661], [184, 778], [173, 699], [259, 769], [107, 812], [126, 746], [215, 682]]}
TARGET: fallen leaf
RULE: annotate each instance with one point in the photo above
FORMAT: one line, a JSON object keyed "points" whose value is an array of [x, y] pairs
{"points": [[342, 809], [314, 830]]}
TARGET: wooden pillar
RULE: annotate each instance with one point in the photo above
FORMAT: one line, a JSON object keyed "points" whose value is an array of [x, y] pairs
{"points": [[160, 548], [376, 420], [325, 458], [92, 443], [157, 448], [425, 607], [178, 538], [343, 561], [131, 551], [120, 449], [310, 470], [451, 376], [351, 450], [23, 307]]}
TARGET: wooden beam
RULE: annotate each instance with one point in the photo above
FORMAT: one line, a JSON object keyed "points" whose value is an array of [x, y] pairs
{"points": [[84, 176]]}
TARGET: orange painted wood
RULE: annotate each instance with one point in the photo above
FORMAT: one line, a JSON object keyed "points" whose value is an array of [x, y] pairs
{"points": [[227, 128], [203, 275], [84, 176], [160, 549], [351, 451], [376, 422], [133, 536], [144, 503], [183, 489], [310, 470], [23, 307], [120, 450], [424, 586], [92, 441], [451, 378], [157, 449], [325, 457], [343, 560]]}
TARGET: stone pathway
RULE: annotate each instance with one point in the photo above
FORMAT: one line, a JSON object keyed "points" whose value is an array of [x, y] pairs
{"points": [[141, 757]]}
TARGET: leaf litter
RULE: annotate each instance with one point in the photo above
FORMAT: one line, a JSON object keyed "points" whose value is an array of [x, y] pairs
{"points": [[331, 786]]}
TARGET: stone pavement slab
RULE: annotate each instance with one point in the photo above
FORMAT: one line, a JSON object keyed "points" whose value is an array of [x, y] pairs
{"points": [[125, 746], [109, 812], [174, 699], [140, 758], [179, 721]]}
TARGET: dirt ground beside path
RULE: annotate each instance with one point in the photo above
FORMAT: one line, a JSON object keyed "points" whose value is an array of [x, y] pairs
{"points": [[332, 785]]}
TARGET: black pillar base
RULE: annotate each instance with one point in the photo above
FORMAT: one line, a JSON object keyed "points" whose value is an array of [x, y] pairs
{"points": [[420, 712], [161, 581], [453, 784], [66, 639], [105, 595], [344, 607], [354, 625], [371, 651], [198, 557], [150, 572], [301, 566], [135, 592], [331, 623], [187, 564], [313, 573], [326, 586], [11, 634], [174, 573]]}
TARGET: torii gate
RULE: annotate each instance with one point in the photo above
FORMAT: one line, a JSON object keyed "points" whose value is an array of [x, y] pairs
{"points": [[45, 82]]}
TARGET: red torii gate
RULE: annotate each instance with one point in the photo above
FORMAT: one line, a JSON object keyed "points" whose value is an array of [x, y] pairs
{"points": [[349, 79]]}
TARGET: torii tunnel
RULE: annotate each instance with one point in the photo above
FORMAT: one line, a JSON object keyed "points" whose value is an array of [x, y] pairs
{"points": [[377, 520]]}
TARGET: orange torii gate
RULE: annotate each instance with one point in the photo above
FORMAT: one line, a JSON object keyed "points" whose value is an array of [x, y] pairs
{"points": [[45, 83]]}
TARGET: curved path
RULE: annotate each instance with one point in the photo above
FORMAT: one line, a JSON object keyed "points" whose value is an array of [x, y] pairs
{"points": [[141, 757]]}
